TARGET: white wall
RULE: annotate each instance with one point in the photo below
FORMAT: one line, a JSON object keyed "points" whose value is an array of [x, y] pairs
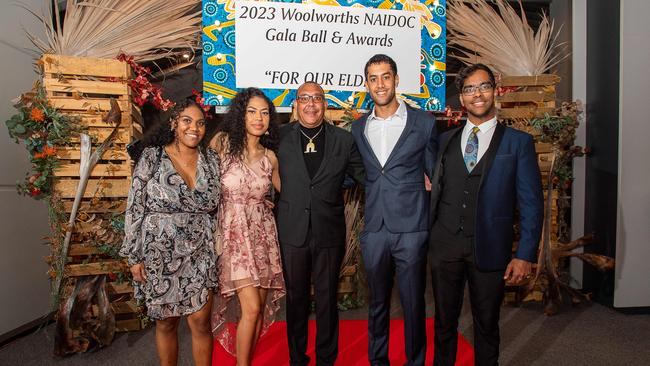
{"points": [[632, 282], [579, 81], [23, 222]]}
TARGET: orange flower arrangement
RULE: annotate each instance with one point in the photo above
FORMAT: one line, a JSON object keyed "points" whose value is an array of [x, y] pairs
{"points": [[356, 114], [47, 151], [37, 115], [39, 127]]}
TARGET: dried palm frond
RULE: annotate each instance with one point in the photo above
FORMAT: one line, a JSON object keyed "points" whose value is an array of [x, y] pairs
{"points": [[145, 29], [353, 224], [502, 40]]}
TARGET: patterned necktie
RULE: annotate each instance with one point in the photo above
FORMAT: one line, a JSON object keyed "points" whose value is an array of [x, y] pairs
{"points": [[471, 150]]}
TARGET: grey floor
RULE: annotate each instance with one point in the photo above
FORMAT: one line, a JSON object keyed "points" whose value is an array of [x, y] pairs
{"points": [[589, 334]]}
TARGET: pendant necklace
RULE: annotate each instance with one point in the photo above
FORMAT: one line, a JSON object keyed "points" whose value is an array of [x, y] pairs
{"points": [[311, 147]]}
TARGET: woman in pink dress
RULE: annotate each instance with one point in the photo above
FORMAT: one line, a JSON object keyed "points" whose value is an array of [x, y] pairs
{"points": [[250, 270]]}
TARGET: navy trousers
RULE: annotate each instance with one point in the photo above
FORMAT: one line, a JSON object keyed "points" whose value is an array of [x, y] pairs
{"points": [[386, 254]]}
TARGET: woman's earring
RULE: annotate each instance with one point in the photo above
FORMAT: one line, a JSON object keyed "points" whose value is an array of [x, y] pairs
{"points": [[266, 133]]}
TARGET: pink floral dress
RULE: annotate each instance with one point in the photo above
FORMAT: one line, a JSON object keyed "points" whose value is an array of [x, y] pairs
{"points": [[250, 253]]}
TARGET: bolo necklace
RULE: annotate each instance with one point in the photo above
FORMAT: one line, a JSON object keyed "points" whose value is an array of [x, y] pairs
{"points": [[311, 147]]}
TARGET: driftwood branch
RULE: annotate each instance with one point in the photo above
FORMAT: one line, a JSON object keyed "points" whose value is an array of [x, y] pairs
{"points": [[87, 164], [580, 242], [75, 316]]}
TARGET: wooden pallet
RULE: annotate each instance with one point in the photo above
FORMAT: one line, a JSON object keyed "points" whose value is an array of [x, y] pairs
{"points": [[83, 87], [347, 285], [533, 96]]}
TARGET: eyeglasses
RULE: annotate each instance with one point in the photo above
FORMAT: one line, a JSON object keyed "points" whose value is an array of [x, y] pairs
{"points": [[471, 89], [305, 98]]}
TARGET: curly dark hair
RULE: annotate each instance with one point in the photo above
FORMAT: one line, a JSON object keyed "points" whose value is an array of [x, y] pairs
{"points": [[234, 125], [162, 134], [467, 71]]}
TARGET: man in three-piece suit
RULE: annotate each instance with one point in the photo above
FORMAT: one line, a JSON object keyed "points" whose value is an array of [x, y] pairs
{"points": [[398, 147], [484, 170], [314, 159]]}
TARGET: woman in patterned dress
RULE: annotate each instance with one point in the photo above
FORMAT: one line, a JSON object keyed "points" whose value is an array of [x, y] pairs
{"points": [[250, 270], [169, 231]]}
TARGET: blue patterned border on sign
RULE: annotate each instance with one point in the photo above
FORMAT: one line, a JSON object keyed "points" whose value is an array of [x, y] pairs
{"points": [[219, 55]]}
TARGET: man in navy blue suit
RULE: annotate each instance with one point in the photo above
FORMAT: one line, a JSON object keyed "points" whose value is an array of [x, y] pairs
{"points": [[398, 147], [483, 172]]}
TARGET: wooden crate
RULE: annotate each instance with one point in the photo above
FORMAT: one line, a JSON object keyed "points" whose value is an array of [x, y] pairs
{"points": [[530, 97], [526, 97], [347, 284], [83, 87], [544, 159]]}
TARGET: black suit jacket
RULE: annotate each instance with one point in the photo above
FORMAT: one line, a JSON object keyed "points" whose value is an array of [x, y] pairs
{"points": [[319, 200]]}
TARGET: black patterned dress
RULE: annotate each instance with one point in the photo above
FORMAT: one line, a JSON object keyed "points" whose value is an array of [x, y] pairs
{"points": [[170, 228]]}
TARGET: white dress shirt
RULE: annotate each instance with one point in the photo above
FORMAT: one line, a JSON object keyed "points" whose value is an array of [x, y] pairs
{"points": [[484, 136], [383, 133]]}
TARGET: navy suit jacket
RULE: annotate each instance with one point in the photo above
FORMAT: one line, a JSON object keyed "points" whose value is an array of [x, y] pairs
{"points": [[395, 193], [510, 179]]}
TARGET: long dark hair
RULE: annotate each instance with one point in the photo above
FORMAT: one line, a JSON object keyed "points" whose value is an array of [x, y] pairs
{"points": [[234, 124]]}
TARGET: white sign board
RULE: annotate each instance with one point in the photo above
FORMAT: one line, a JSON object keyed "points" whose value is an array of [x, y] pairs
{"points": [[282, 45]]}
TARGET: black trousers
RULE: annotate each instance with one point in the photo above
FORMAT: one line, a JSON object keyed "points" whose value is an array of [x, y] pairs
{"points": [[405, 254], [452, 265], [324, 263]]}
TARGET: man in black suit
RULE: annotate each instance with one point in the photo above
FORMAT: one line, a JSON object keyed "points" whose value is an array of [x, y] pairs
{"points": [[314, 158]]}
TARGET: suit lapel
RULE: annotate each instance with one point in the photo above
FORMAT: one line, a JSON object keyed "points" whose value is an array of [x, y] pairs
{"points": [[439, 172], [492, 150], [297, 147], [329, 147], [441, 153], [410, 122], [445, 144], [362, 130]]}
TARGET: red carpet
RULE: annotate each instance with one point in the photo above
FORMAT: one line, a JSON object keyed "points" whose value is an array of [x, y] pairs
{"points": [[353, 346]]}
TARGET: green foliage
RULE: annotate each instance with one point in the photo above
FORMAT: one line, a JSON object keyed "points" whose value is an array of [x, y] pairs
{"points": [[349, 302], [550, 125], [559, 129], [117, 222], [40, 127], [109, 249]]}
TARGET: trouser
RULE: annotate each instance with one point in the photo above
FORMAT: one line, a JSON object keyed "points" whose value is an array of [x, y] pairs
{"points": [[324, 264], [404, 254], [452, 265]]}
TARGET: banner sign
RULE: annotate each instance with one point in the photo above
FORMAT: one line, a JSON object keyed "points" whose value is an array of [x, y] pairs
{"points": [[280, 45]]}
